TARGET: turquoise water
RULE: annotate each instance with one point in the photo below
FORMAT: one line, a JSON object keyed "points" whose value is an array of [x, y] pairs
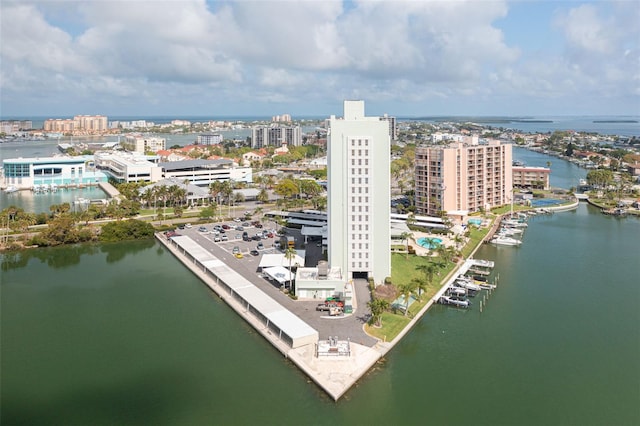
{"points": [[40, 202], [429, 243], [545, 202], [475, 221]]}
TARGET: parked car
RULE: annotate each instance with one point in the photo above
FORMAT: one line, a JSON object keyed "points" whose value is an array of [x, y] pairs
{"points": [[235, 250], [202, 229], [238, 237], [216, 239], [246, 224], [256, 238], [254, 252], [239, 228], [188, 225], [260, 246], [181, 226], [238, 255], [322, 307], [225, 238], [225, 226], [257, 225], [237, 219]]}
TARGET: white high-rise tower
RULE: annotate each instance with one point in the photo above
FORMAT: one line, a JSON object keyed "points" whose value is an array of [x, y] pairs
{"points": [[359, 194]]}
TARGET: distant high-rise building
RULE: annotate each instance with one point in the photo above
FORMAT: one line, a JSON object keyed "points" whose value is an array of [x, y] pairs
{"points": [[284, 118], [79, 123], [359, 194], [393, 131], [275, 135], [462, 176], [91, 123], [210, 139]]}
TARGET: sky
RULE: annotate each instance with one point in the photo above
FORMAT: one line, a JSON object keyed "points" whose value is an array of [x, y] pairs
{"points": [[262, 58]]}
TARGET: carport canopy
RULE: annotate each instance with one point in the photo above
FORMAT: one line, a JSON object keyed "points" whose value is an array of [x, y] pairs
{"points": [[279, 274]]}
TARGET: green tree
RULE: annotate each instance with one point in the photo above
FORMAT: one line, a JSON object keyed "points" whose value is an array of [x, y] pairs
{"points": [[378, 307], [405, 237], [406, 289], [290, 254]]}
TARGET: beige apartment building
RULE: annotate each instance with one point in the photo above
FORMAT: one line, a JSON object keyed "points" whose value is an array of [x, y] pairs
{"points": [[79, 123], [531, 177], [462, 177]]}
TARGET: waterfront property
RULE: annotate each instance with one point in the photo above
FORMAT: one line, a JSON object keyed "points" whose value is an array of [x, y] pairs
{"points": [[359, 194], [37, 173], [463, 177]]}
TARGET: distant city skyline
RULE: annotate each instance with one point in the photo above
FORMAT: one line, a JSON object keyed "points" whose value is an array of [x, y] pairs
{"points": [[224, 59]]}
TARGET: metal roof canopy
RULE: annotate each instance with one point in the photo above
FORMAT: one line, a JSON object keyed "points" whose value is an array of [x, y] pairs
{"points": [[292, 326], [279, 273]]}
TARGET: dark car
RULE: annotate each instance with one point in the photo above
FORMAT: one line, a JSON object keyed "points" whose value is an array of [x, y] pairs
{"points": [[260, 246], [322, 307], [258, 225], [256, 238], [254, 252], [181, 226], [245, 224], [225, 226]]}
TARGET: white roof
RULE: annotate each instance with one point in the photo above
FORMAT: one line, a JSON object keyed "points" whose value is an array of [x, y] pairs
{"points": [[299, 331], [277, 259], [279, 273]]}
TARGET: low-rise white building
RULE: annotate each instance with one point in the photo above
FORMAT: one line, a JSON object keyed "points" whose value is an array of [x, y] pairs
{"points": [[205, 172], [128, 167]]}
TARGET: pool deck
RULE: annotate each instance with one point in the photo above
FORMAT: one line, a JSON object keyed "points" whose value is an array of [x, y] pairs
{"points": [[422, 251]]}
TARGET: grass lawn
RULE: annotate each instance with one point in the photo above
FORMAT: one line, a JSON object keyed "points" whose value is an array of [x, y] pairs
{"points": [[403, 270], [392, 325]]}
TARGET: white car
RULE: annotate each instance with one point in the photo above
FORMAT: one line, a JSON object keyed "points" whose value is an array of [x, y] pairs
{"points": [[216, 239], [188, 225]]}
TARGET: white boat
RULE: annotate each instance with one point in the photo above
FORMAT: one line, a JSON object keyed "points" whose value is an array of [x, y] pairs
{"points": [[467, 284], [11, 188], [455, 300], [457, 291], [505, 241], [514, 223], [510, 231]]}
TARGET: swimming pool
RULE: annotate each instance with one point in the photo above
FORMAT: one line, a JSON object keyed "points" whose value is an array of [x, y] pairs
{"points": [[476, 222], [429, 243], [544, 202]]}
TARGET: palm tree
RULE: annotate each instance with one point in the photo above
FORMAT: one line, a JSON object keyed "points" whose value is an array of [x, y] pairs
{"points": [[377, 306], [421, 284], [406, 290], [429, 270], [405, 237], [290, 254]]}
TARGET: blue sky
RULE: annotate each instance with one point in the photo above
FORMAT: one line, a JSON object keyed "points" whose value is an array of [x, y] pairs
{"points": [[61, 58]]}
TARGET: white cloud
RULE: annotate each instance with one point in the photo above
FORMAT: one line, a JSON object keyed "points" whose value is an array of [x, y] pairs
{"points": [[416, 53]]}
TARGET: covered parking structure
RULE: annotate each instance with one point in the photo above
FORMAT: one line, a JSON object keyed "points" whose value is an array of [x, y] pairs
{"points": [[281, 322], [279, 274]]}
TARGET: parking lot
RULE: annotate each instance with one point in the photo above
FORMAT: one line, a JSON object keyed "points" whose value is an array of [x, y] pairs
{"points": [[210, 237]]}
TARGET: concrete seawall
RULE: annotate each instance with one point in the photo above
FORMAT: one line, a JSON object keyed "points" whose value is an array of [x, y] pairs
{"points": [[334, 374]]}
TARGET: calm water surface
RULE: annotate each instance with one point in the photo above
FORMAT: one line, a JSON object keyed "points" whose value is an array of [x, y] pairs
{"points": [[124, 334]]}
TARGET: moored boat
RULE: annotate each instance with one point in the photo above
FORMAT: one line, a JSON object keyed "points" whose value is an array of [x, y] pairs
{"points": [[505, 241]]}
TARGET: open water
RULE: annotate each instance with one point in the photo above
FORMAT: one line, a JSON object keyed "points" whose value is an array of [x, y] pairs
{"points": [[124, 334]]}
